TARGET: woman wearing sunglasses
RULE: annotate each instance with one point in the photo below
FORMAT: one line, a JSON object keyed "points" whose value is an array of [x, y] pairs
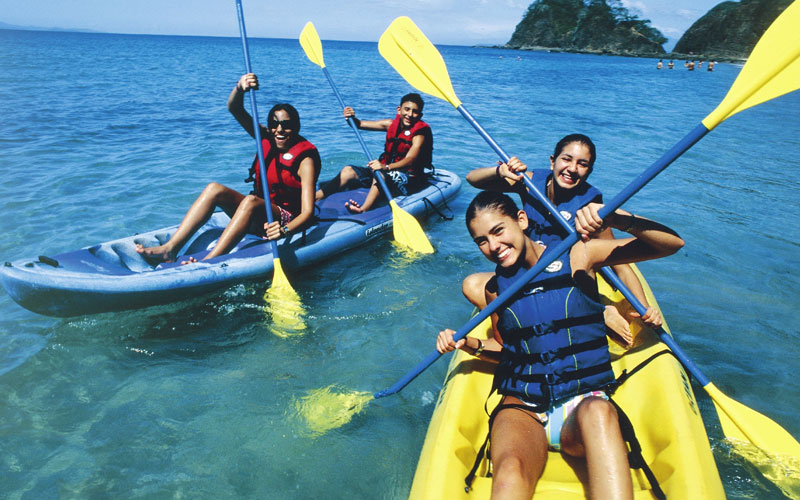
{"points": [[293, 165]]}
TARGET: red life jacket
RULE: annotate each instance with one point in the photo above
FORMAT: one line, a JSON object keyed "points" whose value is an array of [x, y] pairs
{"points": [[282, 175], [398, 144]]}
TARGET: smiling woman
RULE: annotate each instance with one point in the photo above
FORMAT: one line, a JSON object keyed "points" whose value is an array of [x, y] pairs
{"points": [[292, 171]]}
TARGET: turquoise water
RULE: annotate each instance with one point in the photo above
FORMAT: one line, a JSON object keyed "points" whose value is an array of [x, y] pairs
{"points": [[104, 136]]}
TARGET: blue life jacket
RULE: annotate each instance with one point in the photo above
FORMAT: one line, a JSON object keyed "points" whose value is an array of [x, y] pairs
{"points": [[554, 338], [542, 227]]}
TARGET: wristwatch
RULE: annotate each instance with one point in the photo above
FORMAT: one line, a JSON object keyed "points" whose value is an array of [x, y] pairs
{"points": [[285, 231], [479, 350]]}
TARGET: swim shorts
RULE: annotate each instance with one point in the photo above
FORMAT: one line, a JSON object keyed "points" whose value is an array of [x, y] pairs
{"points": [[553, 420]]}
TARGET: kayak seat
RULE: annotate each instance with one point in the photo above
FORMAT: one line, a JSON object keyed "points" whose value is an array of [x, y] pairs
{"points": [[203, 241]]}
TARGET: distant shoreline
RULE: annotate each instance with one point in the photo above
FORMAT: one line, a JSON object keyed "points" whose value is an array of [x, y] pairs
{"points": [[670, 55]]}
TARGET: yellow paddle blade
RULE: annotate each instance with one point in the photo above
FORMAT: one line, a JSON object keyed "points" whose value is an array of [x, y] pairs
{"points": [[309, 40], [283, 306], [773, 68], [324, 409], [750, 431], [407, 230], [412, 55]]}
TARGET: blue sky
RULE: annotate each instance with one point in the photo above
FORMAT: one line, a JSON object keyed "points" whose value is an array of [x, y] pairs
{"points": [[461, 22]]}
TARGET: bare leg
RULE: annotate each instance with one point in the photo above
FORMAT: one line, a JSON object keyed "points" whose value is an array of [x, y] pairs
{"points": [[214, 195], [245, 217], [474, 288], [372, 195], [519, 452], [592, 430]]}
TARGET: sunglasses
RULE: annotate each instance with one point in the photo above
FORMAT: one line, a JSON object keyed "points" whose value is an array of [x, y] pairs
{"points": [[285, 124]]}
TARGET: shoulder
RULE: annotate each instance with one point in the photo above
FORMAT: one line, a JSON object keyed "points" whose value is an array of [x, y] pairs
{"points": [[305, 149], [421, 128], [586, 193], [491, 289]]}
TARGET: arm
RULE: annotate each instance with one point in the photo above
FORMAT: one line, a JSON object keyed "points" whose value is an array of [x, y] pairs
{"points": [[377, 125], [491, 347], [504, 177], [625, 272], [306, 173], [652, 316], [650, 240], [307, 189], [236, 102]]}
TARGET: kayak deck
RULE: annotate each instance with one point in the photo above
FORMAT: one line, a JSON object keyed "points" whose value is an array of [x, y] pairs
{"points": [[658, 399]]}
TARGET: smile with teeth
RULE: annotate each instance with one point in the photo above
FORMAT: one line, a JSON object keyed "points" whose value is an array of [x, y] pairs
{"points": [[568, 178], [503, 254]]}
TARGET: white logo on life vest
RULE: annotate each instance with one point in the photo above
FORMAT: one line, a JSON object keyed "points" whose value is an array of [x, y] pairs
{"points": [[554, 267], [407, 132], [566, 215], [288, 156]]}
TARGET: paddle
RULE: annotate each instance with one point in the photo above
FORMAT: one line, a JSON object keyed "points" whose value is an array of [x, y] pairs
{"points": [[405, 227], [283, 301], [414, 57], [762, 78]]}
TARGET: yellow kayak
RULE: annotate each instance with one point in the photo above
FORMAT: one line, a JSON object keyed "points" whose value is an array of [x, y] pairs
{"points": [[658, 399]]}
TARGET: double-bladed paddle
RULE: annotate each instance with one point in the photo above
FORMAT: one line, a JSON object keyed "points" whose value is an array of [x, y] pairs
{"points": [[764, 77], [284, 303], [405, 227]]}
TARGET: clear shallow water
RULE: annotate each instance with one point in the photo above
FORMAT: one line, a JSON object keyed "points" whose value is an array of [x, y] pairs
{"points": [[107, 135]]}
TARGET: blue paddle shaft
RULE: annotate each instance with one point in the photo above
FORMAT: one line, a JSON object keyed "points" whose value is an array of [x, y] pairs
{"points": [[256, 127], [552, 253], [353, 125], [607, 272]]}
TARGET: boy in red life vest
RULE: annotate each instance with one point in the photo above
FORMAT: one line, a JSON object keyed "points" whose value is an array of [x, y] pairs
{"points": [[407, 152]]}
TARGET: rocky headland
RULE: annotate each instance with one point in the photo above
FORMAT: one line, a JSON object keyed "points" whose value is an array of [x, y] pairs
{"points": [[730, 30], [594, 26]]}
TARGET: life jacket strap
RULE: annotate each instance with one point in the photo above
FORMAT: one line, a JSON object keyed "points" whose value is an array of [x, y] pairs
{"points": [[553, 378], [635, 458]]}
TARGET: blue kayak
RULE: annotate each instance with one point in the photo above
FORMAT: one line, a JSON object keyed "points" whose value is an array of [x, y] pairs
{"points": [[112, 276]]}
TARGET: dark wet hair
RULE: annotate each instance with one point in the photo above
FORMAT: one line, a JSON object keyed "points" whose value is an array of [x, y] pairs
{"points": [[491, 200], [415, 98], [569, 139], [294, 116]]}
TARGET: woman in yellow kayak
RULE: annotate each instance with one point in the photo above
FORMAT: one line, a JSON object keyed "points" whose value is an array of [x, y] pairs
{"points": [[550, 345], [566, 186]]}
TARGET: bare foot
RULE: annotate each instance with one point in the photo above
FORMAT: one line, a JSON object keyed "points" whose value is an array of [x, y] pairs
{"points": [[191, 260], [618, 324], [354, 207], [155, 254]]}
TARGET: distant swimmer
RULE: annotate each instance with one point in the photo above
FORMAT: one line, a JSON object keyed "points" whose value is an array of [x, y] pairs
{"points": [[699, 64], [690, 65], [660, 64], [710, 66], [671, 65]]}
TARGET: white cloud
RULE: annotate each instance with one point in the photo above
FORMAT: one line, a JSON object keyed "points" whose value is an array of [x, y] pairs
{"points": [[635, 6]]}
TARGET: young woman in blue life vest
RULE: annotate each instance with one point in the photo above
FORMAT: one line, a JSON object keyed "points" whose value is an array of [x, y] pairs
{"points": [[550, 345], [566, 186], [407, 152], [293, 165]]}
